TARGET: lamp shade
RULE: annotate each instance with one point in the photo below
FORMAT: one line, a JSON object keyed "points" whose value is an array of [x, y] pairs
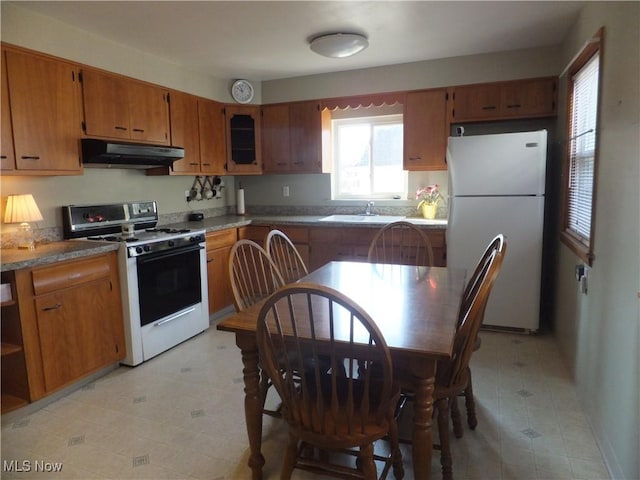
{"points": [[22, 208], [339, 45]]}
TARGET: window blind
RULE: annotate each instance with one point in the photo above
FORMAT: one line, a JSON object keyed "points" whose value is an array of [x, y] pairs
{"points": [[582, 150]]}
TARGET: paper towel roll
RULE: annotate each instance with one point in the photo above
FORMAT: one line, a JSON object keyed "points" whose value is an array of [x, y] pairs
{"points": [[240, 201]]}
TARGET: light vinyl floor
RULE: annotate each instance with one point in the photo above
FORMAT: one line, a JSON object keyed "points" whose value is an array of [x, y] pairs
{"points": [[180, 416]]}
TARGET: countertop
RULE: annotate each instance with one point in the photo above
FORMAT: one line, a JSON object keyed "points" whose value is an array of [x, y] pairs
{"points": [[14, 259]]}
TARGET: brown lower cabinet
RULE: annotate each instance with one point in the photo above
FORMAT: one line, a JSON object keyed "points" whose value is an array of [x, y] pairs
{"points": [[316, 245], [64, 323], [218, 248], [352, 244], [320, 245]]}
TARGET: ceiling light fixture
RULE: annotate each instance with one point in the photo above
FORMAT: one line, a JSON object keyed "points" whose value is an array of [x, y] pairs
{"points": [[339, 45]]}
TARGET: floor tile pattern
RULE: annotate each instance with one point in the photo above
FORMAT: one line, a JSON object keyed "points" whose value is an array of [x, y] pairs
{"points": [[180, 416]]}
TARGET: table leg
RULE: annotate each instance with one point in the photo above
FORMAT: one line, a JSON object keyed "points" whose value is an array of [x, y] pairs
{"points": [[424, 375], [252, 402]]}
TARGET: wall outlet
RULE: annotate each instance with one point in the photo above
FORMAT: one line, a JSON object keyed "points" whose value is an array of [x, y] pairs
{"points": [[187, 195], [285, 191]]}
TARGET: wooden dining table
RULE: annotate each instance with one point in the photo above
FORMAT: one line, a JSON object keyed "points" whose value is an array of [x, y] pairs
{"points": [[416, 308]]}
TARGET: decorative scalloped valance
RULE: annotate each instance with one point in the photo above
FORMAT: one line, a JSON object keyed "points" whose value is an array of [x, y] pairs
{"points": [[375, 100]]}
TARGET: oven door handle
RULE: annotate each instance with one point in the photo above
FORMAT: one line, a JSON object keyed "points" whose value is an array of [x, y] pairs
{"points": [[170, 253], [174, 317]]}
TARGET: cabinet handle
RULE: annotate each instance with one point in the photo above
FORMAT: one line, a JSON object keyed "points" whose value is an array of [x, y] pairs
{"points": [[138, 130], [298, 163], [2, 157], [194, 164], [489, 107], [515, 105], [209, 261], [55, 307], [206, 164], [415, 158], [118, 127], [30, 157]]}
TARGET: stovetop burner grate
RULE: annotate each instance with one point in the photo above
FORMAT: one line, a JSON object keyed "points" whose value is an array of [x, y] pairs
{"points": [[168, 230]]}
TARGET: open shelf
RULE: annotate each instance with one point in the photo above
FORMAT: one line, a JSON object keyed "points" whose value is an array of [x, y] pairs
{"points": [[11, 402], [9, 348]]}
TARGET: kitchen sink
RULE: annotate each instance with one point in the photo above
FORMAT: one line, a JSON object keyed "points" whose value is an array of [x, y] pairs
{"points": [[362, 218]]}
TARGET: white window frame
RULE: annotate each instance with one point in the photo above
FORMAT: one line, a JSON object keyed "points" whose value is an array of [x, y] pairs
{"points": [[396, 118], [584, 82]]}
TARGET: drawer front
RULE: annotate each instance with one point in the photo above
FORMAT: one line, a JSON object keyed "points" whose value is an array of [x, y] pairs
{"points": [[326, 235], [257, 233], [69, 274], [295, 234], [223, 238]]}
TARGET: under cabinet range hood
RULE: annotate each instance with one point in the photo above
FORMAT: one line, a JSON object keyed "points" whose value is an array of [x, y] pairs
{"points": [[108, 154]]}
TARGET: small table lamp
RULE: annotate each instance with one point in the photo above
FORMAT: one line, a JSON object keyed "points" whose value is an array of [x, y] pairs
{"points": [[23, 209]]}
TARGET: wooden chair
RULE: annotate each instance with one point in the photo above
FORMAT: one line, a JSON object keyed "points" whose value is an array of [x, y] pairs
{"points": [[497, 245], [285, 255], [453, 376], [401, 243], [253, 278], [253, 274], [345, 412]]}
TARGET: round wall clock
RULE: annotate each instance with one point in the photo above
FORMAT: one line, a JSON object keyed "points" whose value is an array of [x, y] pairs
{"points": [[242, 91]]}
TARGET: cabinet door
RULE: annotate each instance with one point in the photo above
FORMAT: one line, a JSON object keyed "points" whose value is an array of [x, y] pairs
{"points": [[74, 339], [184, 132], [276, 152], [220, 293], [106, 105], [44, 108], [218, 248], [477, 102], [529, 98], [243, 139], [7, 156], [211, 125], [425, 130], [306, 137], [148, 113]]}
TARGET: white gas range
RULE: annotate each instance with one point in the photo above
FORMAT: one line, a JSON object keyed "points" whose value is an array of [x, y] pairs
{"points": [[163, 277]]}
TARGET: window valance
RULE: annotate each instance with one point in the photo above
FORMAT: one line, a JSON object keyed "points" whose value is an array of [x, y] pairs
{"points": [[375, 100]]}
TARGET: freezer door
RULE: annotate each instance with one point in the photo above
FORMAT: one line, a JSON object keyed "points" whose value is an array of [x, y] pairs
{"points": [[473, 222], [502, 164]]}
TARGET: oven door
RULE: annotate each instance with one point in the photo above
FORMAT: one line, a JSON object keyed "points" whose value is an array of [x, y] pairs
{"points": [[168, 282]]}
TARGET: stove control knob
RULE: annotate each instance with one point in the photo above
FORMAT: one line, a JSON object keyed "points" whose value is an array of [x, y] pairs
{"points": [[146, 248], [195, 239], [171, 243], [138, 249]]}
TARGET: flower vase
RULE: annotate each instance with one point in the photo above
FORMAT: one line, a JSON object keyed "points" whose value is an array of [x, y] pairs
{"points": [[429, 210]]}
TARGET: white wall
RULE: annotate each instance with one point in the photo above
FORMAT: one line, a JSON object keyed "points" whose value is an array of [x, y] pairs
{"points": [[316, 190], [599, 332], [26, 29]]}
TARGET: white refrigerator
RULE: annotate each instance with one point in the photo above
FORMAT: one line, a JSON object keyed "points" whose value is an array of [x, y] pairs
{"points": [[496, 185]]}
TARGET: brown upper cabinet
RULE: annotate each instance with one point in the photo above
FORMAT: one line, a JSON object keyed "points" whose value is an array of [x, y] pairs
{"points": [[122, 108], [7, 153], [213, 145], [425, 130], [197, 125], [40, 115], [292, 138], [505, 100], [243, 126], [276, 138]]}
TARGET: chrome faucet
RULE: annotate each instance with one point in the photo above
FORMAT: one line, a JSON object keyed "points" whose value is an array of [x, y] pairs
{"points": [[368, 209]]}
